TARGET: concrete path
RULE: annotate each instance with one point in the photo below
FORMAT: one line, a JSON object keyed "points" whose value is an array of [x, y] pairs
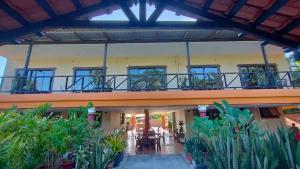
{"points": [[154, 162]]}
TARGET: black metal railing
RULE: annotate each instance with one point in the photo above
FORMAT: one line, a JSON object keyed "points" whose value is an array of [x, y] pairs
{"points": [[155, 82]]}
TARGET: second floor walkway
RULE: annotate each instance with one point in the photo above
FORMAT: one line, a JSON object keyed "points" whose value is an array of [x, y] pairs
{"points": [[48, 83]]}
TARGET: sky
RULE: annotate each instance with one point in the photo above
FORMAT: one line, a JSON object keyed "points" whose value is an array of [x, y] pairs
{"points": [[165, 16], [119, 15]]}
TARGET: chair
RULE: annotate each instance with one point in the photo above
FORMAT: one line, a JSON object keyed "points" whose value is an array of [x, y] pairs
{"points": [[157, 141]]}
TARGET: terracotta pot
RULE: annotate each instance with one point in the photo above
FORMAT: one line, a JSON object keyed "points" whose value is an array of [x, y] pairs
{"points": [[189, 157], [67, 164]]}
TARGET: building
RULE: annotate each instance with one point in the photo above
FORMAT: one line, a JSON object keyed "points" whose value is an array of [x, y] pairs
{"points": [[147, 65]]}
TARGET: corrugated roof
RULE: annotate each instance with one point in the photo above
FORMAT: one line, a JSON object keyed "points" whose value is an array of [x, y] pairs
{"points": [[73, 36]]}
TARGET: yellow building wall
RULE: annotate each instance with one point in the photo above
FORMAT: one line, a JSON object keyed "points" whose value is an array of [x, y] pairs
{"points": [[120, 56]]}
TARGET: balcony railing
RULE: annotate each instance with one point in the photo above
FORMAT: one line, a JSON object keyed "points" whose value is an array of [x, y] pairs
{"points": [[155, 82]]}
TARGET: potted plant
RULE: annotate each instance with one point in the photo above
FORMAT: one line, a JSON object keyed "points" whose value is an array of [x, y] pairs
{"points": [[108, 87], [181, 132], [199, 162], [189, 148], [23, 85], [118, 145], [199, 154], [183, 83]]}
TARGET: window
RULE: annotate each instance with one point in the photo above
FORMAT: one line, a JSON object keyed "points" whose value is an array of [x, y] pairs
{"points": [[254, 76], [87, 79], [3, 62], [147, 78], [206, 77], [36, 80], [269, 112]]}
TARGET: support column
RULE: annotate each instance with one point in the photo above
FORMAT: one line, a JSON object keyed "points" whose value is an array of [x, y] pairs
{"points": [[28, 55], [104, 69], [163, 121], [188, 64], [174, 125], [132, 121], [267, 65], [21, 83], [147, 123]]}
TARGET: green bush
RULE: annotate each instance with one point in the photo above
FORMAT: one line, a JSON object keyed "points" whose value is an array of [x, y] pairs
{"points": [[32, 138], [236, 141]]}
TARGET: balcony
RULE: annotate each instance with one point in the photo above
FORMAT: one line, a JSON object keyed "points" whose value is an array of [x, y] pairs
{"points": [[152, 82]]}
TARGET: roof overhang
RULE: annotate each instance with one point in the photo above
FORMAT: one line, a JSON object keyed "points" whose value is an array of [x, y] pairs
{"points": [[274, 21]]}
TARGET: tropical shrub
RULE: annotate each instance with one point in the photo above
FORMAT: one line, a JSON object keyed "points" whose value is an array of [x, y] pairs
{"points": [[116, 141], [236, 141], [32, 138]]}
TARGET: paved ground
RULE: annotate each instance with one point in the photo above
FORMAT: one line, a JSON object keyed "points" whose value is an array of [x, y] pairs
{"points": [[154, 162]]}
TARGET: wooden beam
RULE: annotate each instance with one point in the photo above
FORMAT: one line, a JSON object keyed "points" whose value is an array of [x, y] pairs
{"points": [[207, 5], [143, 10], [271, 37], [37, 26], [273, 9], [12, 13], [156, 13], [235, 9], [128, 12], [294, 24], [77, 3], [46, 7], [147, 25]]}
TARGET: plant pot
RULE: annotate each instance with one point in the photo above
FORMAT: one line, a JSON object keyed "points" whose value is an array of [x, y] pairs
{"points": [[119, 157], [42, 167], [185, 88], [67, 164], [189, 158], [181, 139], [110, 165], [108, 89], [200, 166]]}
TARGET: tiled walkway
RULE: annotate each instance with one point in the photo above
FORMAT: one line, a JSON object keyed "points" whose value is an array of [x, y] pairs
{"points": [[154, 162]]}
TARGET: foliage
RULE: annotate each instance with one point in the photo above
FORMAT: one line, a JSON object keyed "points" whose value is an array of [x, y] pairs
{"points": [[155, 116], [296, 77], [23, 84], [207, 80], [93, 154], [181, 131], [291, 111], [183, 82], [22, 140], [149, 80], [116, 141], [235, 141], [32, 138]]}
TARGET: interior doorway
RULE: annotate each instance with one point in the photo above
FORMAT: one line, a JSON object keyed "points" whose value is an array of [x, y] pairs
{"points": [[151, 130], [161, 137]]}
